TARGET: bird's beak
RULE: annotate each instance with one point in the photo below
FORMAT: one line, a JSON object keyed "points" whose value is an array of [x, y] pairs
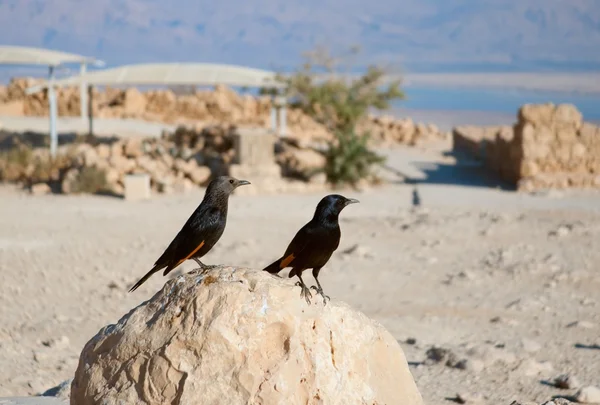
{"points": [[351, 201], [243, 183]]}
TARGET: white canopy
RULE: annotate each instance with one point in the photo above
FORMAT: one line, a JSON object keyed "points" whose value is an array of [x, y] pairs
{"points": [[20, 55], [200, 74]]}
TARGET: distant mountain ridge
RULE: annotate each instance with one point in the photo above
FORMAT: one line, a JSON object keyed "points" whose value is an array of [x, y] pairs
{"points": [[417, 35]]}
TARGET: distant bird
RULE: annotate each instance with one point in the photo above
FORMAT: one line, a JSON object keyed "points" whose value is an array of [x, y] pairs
{"points": [[314, 243], [201, 231], [416, 198]]}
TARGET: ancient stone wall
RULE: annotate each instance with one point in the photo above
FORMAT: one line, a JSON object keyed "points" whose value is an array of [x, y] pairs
{"points": [[556, 148], [550, 146], [219, 106]]}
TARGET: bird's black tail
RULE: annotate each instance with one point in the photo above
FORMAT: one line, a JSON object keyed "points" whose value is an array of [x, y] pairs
{"points": [[146, 277], [274, 267]]}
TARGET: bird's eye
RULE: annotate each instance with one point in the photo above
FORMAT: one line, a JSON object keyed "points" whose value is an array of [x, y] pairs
{"points": [[231, 181]]}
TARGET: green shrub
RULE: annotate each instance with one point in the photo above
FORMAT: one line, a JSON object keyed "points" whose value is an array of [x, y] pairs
{"points": [[15, 163], [349, 160], [90, 180], [340, 102]]}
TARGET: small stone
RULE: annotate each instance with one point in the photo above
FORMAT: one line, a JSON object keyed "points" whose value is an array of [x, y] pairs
{"points": [[166, 185], [40, 356], [473, 365], [588, 395], [468, 398], [411, 341], [103, 151], [133, 148], [566, 381], [116, 148], [530, 346], [112, 176], [561, 231], [441, 355], [57, 343], [40, 189], [532, 368], [559, 401], [62, 390], [587, 302], [358, 251], [467, 275], [581, 324]]}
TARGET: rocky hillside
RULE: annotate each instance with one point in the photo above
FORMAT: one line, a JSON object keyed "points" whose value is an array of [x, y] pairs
{"points": [[438, 34]]}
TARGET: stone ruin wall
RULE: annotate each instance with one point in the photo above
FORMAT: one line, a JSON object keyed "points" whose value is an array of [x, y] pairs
{"points": [[550, 147], [202, 108]]}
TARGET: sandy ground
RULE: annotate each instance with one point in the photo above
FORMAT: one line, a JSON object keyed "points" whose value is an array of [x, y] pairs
{"points": [[508, 283]]}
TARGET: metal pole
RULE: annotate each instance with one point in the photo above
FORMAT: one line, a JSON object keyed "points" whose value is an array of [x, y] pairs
{"points": [[52, 102], [83, 93], [273, 116], [90, 90], [282, 115], [283, 120]]}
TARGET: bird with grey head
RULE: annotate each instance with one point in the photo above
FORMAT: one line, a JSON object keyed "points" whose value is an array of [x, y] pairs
{"points": [[202, 230]]}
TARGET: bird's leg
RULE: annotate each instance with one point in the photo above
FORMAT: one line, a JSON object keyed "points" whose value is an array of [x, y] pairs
{"points": [[305, 290], [319, 289], [204, 267]]}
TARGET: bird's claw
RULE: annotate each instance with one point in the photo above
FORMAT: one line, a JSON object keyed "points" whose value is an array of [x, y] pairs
{"points": [[205, 268], [305, 292], [321, 293]]}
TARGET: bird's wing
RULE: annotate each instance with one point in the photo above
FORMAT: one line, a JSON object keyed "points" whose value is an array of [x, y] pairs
{"points": [[300, 242], [194, 234]]}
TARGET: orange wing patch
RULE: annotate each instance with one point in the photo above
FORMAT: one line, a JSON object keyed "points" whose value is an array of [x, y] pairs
{"points": [[191, 254], [285, 262]]}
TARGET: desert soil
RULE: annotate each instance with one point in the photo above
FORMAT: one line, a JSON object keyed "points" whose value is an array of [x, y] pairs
{"points": [[508, 284]]}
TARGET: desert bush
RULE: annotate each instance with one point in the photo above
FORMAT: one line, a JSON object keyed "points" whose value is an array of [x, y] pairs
{"points": [[349, 160], [28, 166], [340, 101], [15, 163], [89, 180]]}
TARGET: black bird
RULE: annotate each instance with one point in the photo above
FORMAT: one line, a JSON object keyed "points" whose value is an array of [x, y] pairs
{"points": [[416, 197], [314, 243], [201, 231]]}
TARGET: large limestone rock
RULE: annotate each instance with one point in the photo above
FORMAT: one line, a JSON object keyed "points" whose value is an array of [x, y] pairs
{"points": [[242, 336]]}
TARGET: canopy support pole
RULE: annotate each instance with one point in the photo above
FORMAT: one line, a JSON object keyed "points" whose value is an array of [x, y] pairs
{"points": [[52, 103], [83, 92]]}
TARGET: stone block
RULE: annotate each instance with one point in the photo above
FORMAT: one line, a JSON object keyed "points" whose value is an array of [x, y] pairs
{"points": [[254, 146], [137, 187]]}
